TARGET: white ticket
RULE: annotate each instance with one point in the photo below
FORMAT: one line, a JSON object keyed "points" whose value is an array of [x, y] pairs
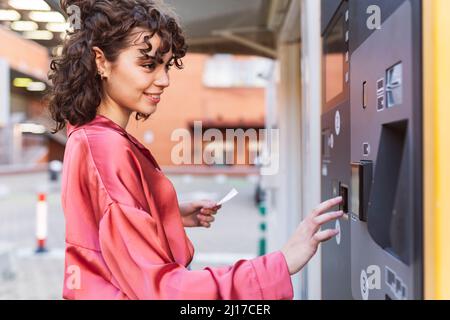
{"points": [[228, 197]]}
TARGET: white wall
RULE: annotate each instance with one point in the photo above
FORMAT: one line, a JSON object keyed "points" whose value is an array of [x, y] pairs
{"points": [[284, 192], [311, 110], [5, 91], [294, 104]]}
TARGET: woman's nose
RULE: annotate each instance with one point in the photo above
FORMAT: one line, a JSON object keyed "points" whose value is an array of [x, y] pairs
{"points": [[163, 79]]}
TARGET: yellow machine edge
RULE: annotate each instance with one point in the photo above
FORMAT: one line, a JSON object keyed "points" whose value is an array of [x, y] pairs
{"points": [[436, 51]]}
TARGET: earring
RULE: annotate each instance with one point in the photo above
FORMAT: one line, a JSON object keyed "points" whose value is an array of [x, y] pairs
{"points": [[101, 75]]}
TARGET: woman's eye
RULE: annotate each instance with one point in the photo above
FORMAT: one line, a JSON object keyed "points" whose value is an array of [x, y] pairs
{"points": [[150, 66]]}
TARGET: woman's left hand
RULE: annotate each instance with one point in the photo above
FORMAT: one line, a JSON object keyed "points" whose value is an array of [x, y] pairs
{"points": [[198, 213]]}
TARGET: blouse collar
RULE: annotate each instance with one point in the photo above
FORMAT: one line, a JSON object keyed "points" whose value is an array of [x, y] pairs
{"points": [[100, 121], [105, 122]]}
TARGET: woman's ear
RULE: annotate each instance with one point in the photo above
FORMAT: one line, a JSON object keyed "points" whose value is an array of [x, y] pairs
{"points": [[101, 62]]}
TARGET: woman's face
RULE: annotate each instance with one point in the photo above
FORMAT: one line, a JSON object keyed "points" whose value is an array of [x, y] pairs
{"points": [[134, 84]]}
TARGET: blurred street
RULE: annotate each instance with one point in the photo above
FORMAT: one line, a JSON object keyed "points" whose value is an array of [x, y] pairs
{"points": [[27, 275]]}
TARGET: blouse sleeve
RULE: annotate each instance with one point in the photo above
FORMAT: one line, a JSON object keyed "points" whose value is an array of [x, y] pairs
{"points": [[131, 248]]}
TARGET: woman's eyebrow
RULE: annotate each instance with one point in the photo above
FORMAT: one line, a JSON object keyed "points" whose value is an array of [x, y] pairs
{"points": [[149, 58], [145, 57]]}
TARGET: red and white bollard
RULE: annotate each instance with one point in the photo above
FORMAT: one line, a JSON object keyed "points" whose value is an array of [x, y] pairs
{"points": [[41, 223]]}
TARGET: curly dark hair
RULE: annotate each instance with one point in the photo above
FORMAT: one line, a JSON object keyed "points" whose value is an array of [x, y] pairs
{"points": [[77, 91]]}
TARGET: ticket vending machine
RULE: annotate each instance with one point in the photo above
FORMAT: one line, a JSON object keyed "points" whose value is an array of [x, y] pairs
{"points": [[372, 148]]}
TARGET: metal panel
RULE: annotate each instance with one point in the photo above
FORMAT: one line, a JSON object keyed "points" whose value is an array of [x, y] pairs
{"points": [[336, 152], [386, 249]]}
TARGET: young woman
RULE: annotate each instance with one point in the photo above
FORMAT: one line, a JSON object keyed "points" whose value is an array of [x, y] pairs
{"points": [[125, 236]]}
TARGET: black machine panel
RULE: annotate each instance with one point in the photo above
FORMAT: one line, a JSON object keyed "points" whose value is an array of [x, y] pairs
{"points": [[336, 145], [371, 149]]}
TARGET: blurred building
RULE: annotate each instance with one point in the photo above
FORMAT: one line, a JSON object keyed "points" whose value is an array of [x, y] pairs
{"points": [[23, 72], [27, 43], [222, 91]]}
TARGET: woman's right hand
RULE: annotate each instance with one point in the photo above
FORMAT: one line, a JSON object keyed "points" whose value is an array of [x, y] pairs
{"points": [[303, 244]]}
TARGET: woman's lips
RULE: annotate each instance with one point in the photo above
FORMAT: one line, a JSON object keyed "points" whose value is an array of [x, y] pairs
{"points": [[155, 98]]}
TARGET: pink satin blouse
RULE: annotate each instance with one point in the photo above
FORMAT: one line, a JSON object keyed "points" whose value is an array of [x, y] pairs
{"points": [[124, 234]]}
